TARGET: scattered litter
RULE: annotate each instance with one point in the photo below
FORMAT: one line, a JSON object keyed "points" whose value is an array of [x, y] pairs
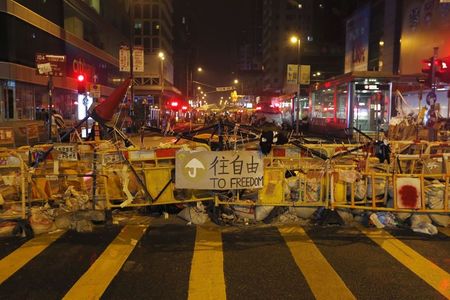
{"points": [[195, 214], [422, 223]]}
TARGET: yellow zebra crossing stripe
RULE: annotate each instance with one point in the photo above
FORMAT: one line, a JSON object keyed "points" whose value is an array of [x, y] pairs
{"points": [[21, 256], [422, 267], [323, 280], [207, 280], [95, 281]]}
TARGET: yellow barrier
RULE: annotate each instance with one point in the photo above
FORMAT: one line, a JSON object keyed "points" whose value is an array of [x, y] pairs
{"points": [[292, 177], [12, 187]]}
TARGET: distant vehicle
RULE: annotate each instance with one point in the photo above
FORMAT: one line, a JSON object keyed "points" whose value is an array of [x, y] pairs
{"points": [[269, 112]]}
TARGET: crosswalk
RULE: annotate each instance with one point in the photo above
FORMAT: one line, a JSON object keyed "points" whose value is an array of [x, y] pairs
{"points": [[145, 260]]}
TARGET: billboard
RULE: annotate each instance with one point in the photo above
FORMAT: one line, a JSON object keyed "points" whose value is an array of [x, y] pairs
{"points": [[426, 24], [357, 41]]}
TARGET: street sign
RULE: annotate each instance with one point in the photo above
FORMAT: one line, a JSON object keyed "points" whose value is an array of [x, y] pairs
{"points": [[292, 71], [124, 59], [138, 59], [305, 74], [50, 64], [95, 91], [224, 88], [218, 170]]}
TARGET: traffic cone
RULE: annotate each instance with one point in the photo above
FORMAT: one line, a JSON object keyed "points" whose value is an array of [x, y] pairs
{"points": [[104, 112]]}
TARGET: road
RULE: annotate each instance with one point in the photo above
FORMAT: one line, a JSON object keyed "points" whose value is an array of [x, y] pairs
{"points": [[155, 258]]}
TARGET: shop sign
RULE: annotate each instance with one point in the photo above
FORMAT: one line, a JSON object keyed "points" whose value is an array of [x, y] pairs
{"points": [[357, 41], [371, 87], [219, 170], [50, 64]]}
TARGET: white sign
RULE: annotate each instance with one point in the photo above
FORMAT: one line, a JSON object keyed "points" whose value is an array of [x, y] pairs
{"points": [[44, 68], [224, 88], [66, 152], [83, 104], [124, 59], [138, 59], [220, 170]]}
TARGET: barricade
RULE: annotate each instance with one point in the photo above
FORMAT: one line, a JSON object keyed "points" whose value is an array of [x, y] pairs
{"points": [[13, 185], [291, 178], [105, 177], [156, 169], [66, 177], [411, 183]]}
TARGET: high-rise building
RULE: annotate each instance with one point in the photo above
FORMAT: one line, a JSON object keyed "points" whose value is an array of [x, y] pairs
{"points": [[87, 33], [153, 30], [320, 25], [184, 48], [250, 50]]}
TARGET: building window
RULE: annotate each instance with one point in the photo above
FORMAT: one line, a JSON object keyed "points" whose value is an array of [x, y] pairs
{"points": [[146, 11], [155, 29], [137, 41], [137, 11], [146, 43], [138, 28], [155, 42], [155, 11], [146, 28]]}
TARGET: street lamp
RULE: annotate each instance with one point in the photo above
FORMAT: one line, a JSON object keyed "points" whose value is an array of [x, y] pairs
{"points": [[296, 40], [162, 57]]}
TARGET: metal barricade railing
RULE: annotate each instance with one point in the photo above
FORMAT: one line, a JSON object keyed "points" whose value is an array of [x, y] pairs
{"points": [[68, 173], [13, 185], [156, 169]]}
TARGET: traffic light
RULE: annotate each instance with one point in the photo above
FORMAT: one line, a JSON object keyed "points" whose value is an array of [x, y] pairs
{"points": [[81, 80], [442, 71]]}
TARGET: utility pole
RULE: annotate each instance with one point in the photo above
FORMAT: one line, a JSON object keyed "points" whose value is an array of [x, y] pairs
{"points": [[50, 107]]}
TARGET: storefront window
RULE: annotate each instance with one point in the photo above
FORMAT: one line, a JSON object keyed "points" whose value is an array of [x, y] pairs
{"points": [[25, 108], [370, 105], [342, 96], [323, 104]]}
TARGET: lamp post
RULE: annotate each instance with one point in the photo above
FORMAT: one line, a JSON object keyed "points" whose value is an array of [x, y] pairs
{"points": [[296, 40], [161, 79]]}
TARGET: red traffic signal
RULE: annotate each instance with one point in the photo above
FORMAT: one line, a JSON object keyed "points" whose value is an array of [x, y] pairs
{"points": [[441, 65], [81, 87]]}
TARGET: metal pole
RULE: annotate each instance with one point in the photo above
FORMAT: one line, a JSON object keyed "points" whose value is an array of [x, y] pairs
{"points": [[162, 88], [131, 64], [50, 104], [433, 69], [297, 124]]}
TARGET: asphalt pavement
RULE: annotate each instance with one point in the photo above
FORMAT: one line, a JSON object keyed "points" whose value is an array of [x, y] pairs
{"points": [[157, 258]]}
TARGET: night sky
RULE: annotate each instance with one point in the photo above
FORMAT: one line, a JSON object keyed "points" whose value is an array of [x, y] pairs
{"points": [[216, 26]]}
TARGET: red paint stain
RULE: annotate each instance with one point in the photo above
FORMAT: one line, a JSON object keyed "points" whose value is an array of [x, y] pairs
{"points": [[409, 196]]}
